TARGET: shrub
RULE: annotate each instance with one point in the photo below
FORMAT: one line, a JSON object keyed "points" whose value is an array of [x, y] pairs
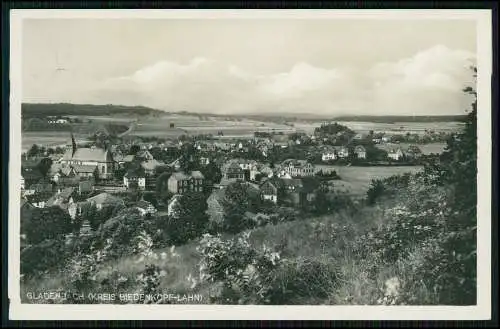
{"points": [[41, 257], [46, 223], [82, 271], [301, 281], [243, 271]]}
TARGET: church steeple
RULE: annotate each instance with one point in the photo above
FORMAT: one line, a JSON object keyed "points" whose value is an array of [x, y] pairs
{"points": [[73, 144]]}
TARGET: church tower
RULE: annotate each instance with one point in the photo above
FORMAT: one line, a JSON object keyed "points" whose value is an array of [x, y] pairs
{"points": [[73, 145]]}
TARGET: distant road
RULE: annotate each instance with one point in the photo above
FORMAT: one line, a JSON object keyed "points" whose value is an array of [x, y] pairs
{"points": [[129, 130]]}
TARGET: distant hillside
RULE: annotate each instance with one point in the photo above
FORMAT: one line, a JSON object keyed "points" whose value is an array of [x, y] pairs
{"points": [[32, 110], [38, 110], [283, 118], [398, 118]]}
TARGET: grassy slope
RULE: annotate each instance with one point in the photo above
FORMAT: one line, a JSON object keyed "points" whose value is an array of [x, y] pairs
{"points": [[325, 239]]}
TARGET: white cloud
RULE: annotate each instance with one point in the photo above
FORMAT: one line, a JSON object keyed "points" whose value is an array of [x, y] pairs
{"points": [[430, 82]]}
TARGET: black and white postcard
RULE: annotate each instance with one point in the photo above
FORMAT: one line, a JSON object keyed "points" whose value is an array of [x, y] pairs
{"points": [[260, 164]]}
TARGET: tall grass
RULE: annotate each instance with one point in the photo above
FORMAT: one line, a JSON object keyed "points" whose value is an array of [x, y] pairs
{"points": [[324, 264]]}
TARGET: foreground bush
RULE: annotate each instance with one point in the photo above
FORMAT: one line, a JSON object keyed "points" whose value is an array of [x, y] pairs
{"points": [[250, 275]]}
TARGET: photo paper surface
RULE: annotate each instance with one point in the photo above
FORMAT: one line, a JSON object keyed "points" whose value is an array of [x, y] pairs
{"points": [[260, 164]]}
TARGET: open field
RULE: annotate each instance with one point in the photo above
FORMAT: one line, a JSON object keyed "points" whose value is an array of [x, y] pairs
{"points": [[104, 119], [203, 125], [231, 127], [356, 180], [49, 139], [389, 128], [429, 148]]}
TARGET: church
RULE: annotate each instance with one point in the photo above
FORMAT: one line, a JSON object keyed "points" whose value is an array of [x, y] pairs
{"points": [[85, 161]]}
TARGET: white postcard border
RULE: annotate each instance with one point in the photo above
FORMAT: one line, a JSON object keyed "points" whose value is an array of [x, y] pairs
{"points": [[482, 311]]}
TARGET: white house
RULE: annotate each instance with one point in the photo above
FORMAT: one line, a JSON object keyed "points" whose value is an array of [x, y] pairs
{"points": [[342, 151], [360, 152], [269, 190], [266, 170], [39, 203], [284, 174], [298, 167], [135, 176], [395, 154], [254, 171], [145, 207], [204, 161], [29, 191], [328, 155]]}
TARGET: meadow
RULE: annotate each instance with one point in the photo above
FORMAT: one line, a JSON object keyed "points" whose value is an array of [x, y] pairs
{"points": [[325, 240], [356, 180], [49, 139], [185, 124], [388, 128], [181, 264], [159, 125]]}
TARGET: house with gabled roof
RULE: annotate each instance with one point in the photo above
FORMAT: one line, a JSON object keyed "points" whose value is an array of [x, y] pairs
{"points": [[86, 171], [204, 160], [135, 177], [298, 168], [232, 171], [39, 200], [145, 207], [62, 198], [296, 191], [395, 154], [149, 166], [180, 182], [342, 151], [360, 152], [328, 154], [144, 155], [128, 158], [272, 189], [105, 199]]}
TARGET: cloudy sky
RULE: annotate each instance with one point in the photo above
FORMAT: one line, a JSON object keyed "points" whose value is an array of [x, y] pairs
{"points": [[323, 66]]}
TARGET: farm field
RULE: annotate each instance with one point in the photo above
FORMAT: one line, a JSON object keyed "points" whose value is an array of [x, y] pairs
{"points": [[107, 119], [388, 128], [356, 180], [204, 125], [231, 128], [48, 138], [430, 148]]}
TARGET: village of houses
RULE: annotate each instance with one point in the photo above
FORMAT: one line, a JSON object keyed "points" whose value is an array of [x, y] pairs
{"points": [[87, 174]]}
